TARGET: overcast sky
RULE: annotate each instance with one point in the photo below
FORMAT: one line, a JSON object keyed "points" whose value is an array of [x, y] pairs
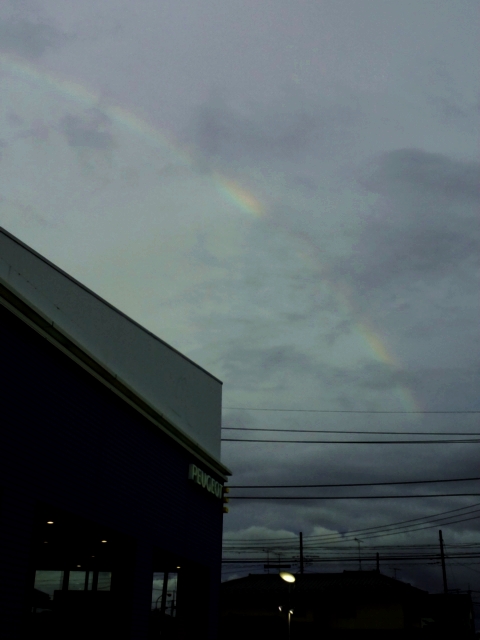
{"points": [[288, 193]]}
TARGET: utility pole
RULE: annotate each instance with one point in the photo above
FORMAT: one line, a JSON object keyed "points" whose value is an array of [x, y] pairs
{"points": [[301, 552], [358, 541], [164, 594], [442, 557]]}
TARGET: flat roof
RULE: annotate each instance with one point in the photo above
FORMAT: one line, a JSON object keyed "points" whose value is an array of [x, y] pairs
{"points": [[162, 379]]}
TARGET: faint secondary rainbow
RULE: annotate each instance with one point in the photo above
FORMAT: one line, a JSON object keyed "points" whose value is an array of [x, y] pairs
{"points": [[232, 190]]}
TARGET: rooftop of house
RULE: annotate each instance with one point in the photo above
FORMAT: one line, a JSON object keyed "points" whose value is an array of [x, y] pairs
{"points": [[266, 585]]}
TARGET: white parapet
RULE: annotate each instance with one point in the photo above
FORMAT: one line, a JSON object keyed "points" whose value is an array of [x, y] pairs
{"points": [[183, 393]]}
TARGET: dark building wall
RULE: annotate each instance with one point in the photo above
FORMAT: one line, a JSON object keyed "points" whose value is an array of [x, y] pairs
{"points": [[69, 441]]}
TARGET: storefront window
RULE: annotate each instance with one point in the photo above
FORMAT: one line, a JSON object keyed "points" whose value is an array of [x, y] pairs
{"points": [[164, 593], [76, 581], [46, 583], [104, 580]]}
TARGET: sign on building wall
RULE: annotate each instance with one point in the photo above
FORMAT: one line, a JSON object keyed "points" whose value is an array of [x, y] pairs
{"points": [[205, 481]]}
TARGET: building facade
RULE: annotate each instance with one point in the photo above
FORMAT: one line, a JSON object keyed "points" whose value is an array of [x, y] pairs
{"points": [[110, 479]]}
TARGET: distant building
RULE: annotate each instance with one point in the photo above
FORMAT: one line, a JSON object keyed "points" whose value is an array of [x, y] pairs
{"points": [[110, 475], [352, 604]]}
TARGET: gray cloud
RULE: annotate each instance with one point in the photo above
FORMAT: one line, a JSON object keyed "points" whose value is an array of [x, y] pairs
{"points": [[27, 38], [254, 367], [285, 132], [431, 173], [270, 367], [447, 109], [423, 224], [87, 133], [444, 95]]}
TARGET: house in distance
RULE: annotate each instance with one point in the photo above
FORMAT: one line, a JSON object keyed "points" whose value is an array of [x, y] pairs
{"points": [[340, 606]]}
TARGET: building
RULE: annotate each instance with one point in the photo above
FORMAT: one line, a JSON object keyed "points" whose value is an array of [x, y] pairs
{"points": [[351, 604], [110, 475]]}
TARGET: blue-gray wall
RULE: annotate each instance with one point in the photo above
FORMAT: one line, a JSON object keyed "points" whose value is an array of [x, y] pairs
{"points": [[69, 441]]}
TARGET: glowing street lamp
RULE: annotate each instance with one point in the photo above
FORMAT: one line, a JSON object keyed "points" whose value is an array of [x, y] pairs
{"points": [[290, 579]]}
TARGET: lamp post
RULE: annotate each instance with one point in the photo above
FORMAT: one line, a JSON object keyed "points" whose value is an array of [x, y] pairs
{"points": [[290, 579]]}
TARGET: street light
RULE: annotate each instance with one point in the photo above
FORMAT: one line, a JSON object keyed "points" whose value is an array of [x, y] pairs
{"points": [[290, 579], [289, 615], [359, 556]]}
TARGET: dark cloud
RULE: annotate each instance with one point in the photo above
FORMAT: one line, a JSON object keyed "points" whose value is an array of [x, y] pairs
{"points": [[268, 367], [14, 119], [447, 109], [448, 388], [427, 173], [255, 367], [283, 132], [86, 133], [422, 226], [444, 95], [26, 38]]}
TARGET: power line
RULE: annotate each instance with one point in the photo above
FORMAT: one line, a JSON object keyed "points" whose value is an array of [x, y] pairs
{"points": [[420, 495], [471, 441], [379, 433], [351, 536], [439, 518], [407, 528], [309, 548], [343, 411], [353, 549], [380, 528], [383, 531], [345, 559], [324, 536], [353, 484]]}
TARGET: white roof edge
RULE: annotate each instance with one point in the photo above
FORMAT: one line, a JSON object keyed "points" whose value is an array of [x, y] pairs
{"points": [[105, 302], [174, 431], [180, 392]]}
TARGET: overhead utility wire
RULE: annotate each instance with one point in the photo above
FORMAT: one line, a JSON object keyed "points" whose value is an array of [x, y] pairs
{"points": [[339, 546], [351, 553], [366, 533], [352, 550], [352, 484], [428, 519], [374, 433], [341, 411], [368, 536], [379, 534], [351, 559], [471, 441], [439, 518], [394, 497], [369, 553], [407, 528]]}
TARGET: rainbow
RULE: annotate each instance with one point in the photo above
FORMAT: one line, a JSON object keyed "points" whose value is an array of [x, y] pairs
{"points": [[232, 190], [363, 326]]}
